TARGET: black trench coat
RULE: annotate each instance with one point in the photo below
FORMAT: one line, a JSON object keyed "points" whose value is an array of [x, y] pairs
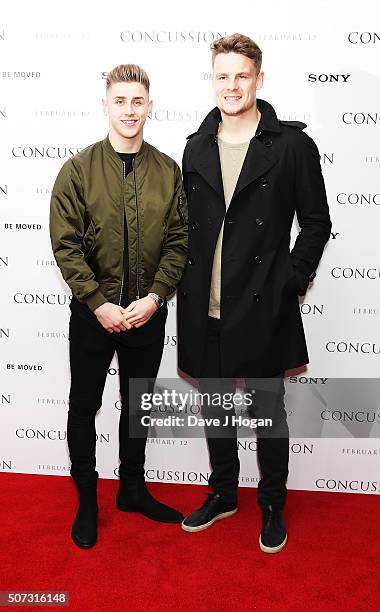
{"points": [[261, 326]]}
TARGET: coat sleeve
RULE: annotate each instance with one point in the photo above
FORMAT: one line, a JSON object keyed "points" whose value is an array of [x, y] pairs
{"points": [[174, 250], [312, 212], [184, 169], [67, 230]]}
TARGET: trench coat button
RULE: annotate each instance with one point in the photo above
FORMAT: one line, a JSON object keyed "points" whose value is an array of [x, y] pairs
{"points": [[259, 221], [268, 142], [256, 296], [312, 276], [184, 294], [257, 259], [195, 187], [264, 181], [195, 225], [209, 221], [230, 221], [191, 261]]}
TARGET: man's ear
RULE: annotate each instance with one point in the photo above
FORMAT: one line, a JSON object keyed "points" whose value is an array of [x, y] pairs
{"points": [[104, 106], [260, 80]]}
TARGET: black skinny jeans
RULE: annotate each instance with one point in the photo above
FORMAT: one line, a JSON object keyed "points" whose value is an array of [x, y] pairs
{"points": [[91, 351], [272, 443]]}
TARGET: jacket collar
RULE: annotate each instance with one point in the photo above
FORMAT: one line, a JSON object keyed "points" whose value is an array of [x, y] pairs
{"points": [[268, 120], [259, 158], [108, 148]]}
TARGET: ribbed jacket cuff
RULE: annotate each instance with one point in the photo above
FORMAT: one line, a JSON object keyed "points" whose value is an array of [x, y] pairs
{"points": [[96, 299], [161, 289]]}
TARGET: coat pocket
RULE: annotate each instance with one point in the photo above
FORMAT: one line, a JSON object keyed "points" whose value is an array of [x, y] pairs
{"points": [[292, 284]]}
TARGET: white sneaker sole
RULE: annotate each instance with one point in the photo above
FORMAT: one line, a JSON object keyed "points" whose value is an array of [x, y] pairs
{"points": [[218, 517], [272, 549]]}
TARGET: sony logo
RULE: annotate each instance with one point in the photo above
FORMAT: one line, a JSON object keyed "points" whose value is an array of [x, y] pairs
{"points": [[328, 78]]}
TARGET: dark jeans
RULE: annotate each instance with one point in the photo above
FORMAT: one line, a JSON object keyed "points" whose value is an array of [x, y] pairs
{"points": [[272, 443], [91, 351]]}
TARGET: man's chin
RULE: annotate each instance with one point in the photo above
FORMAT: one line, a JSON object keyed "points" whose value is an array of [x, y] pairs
{"points": [[233, 112], [130, 134]]}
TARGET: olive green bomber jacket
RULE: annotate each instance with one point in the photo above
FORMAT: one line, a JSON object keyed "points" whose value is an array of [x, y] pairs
{"points": [[87, 208]]}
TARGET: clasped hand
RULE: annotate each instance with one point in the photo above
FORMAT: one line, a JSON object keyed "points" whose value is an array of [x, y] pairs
{"points": [[116, 319]]}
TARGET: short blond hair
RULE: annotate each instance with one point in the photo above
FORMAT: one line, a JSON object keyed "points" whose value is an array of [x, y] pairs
{"points": [[128, 73], [237, 43]]}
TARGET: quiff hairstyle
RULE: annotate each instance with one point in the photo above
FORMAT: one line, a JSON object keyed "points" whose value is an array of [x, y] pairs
{"points": [[237, 43], [128, 73]]}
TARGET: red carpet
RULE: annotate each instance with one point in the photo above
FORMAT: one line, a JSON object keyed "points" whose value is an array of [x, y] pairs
{"points": [[331, 561]]}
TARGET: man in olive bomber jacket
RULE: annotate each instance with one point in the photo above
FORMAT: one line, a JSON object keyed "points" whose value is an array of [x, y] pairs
{"points": [[118, 226]]}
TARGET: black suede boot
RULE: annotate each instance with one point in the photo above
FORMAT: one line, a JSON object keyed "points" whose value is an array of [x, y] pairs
{"points": [[135, 497], [84, 531]]}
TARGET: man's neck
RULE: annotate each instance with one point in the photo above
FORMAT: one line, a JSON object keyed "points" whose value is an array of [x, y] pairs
{"points": [[239, 128], [125, 145]]}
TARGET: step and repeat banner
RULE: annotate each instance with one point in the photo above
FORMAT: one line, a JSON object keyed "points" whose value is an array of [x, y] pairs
{"points": [[321, 67]]}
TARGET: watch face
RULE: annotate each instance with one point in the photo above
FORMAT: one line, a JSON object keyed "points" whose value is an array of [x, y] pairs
{"points": [[158, 299]]}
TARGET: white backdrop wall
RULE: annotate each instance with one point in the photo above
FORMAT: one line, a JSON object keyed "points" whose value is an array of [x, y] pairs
{"points": [[321, 61]]}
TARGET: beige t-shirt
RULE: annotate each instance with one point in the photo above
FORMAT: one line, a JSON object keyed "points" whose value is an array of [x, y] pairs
{"points": [[231, 161]]}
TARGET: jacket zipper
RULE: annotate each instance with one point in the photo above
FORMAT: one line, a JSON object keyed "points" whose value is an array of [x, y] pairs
{"points": [[180, 211], [138, 233], [122, 277]]}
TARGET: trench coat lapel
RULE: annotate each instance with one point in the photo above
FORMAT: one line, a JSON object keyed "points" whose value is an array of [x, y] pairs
{"points": [[258, 160], [207, 163]]}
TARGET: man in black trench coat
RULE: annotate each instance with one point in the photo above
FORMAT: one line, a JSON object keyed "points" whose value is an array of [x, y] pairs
{"points": [[246, 174]]}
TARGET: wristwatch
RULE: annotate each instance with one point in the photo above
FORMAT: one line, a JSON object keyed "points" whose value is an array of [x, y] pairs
{"points": [[157, 299]]}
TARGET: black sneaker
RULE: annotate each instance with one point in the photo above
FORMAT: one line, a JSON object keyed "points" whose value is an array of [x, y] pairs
{"points": [[212, 510], [273, 534]]}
